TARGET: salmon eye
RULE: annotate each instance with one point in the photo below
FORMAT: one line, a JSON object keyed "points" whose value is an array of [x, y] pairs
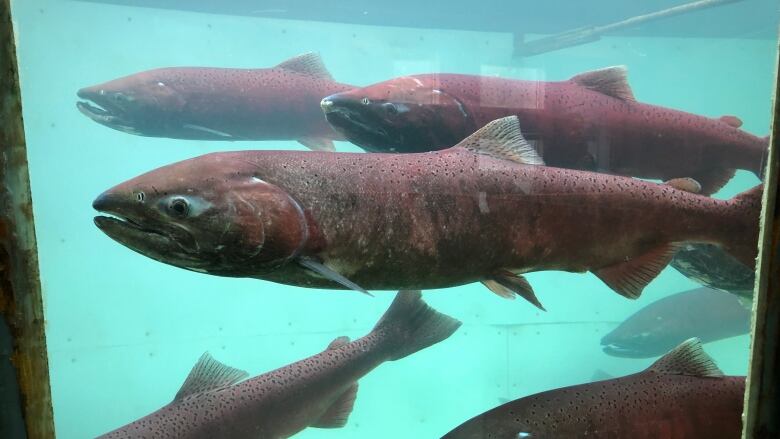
{"points": [[365, 101], [179, 207], [390, 108], [140, 196]]}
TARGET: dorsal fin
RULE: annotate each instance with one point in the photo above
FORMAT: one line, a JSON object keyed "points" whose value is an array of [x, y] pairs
{"points": [[337, 343], [308, 63], [502, 139], [209, 374], [687, 359], [732, 121], [685, 184], [611, 81]]}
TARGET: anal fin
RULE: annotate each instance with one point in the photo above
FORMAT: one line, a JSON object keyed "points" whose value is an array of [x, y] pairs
{"points": [[630, 277], [337, 414], [508, 285], [713, 179]]}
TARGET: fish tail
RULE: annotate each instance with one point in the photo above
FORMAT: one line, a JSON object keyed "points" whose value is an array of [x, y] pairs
{"points": [[742, 240], [410, 325]]}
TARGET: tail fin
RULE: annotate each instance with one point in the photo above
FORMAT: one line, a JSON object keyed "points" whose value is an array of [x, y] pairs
{"points": [[742, 242], [411, 325]]}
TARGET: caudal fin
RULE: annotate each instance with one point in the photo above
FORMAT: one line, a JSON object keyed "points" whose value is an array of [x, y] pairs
{"points": [[742, 240], [410, 325]]}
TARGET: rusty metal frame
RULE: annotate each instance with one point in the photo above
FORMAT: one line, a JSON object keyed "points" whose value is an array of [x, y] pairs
{"points": [[21, 303], [761, 418]]}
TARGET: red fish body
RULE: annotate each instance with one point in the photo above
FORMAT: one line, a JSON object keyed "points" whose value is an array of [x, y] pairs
{"points": [[682, 396], [204, 103], [590, 122], [431, 220], [318, 391]]}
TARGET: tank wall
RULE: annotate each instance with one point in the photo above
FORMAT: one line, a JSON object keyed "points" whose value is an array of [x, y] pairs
{"points": [[124, 330]]}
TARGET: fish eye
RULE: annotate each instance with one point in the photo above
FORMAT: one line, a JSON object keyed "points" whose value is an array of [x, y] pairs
{"points": [[365, 101], [179, 207], [390, 108], [140, 196]]}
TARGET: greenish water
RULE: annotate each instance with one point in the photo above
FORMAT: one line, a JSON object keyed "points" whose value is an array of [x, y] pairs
{"points": [[123, 330]]}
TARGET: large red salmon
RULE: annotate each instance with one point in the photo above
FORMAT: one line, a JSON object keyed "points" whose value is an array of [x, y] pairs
{"points": [[484, 211], [590, 122], [205, 103], [318, 391], [683, 395]]}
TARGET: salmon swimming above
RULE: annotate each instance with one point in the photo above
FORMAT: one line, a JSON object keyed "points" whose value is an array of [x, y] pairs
{"points": [[683, 395], [484, 211], [318, 391], [704, 313], [203, 103], [590, 122]]}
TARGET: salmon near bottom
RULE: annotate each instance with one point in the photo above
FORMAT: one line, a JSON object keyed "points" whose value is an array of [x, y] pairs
{"points": [[318, 391], [683, 395]]}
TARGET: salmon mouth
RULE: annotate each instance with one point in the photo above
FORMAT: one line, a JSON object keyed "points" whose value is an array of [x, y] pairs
{"points": [[96, 106], [357, 124], [644, 348], [170, 244]]}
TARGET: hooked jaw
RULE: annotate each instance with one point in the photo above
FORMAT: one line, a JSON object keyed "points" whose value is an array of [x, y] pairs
{"points": [[106, 109], [356, 121], [642, 346], [123, 223]]}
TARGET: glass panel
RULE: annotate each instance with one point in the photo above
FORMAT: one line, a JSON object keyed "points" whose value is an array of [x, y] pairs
{"points": [[125, 330]]}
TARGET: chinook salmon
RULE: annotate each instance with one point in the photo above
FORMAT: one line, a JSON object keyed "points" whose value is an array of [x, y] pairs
{"points": [[318, 391], [203, 103], [710, 266], [683, 395], [483, 211], [704, 313], [590, 122]]}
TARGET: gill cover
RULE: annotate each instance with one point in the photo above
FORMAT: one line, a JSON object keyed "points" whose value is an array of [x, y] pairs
{"points": [[269, 224]]}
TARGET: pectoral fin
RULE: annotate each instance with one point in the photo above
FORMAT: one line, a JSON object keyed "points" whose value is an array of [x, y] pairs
{"points": [[317, 144], [326, 272], [630, 277]]}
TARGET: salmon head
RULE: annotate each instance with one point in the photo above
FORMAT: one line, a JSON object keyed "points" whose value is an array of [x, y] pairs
{"points": [[406, 114], [143, 104], [211, 214]]}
